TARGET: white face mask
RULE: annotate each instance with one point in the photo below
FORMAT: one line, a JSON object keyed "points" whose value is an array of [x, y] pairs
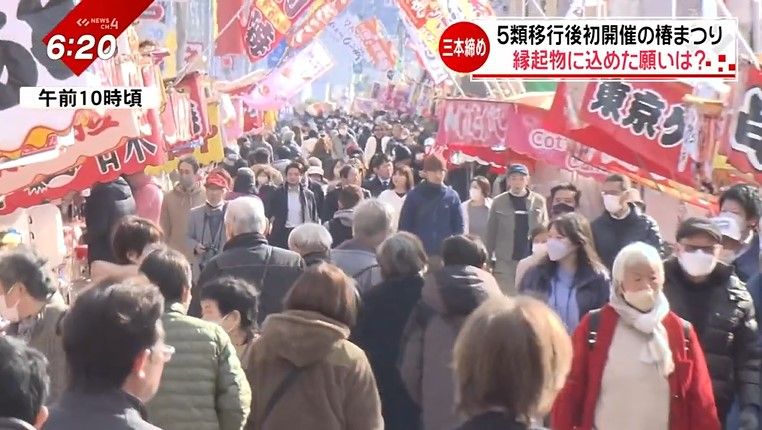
{"points": [[613, 204], [559, 248], [539, 248], [9, 313], [474, 193], [697, 263], [642, 300]]}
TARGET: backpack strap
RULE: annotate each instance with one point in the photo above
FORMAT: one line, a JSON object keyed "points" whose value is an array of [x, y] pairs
{"points": [[592, 327]]}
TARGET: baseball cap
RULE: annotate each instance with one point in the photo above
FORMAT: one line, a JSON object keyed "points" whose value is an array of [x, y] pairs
{"points": [[518, 168], [697, 225], [217, 179]]}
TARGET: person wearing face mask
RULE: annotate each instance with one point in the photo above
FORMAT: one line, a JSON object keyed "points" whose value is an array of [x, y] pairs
{"points": [[204, 386], [512, 216], [476, 208], [264, 187], [622, 223], [232, 304], [729, 226], [206, 231], [705, 292], [539, 238], [571, 278], [743, 202], [636, 364], [34, 310], [564, 198], [187, 194]]}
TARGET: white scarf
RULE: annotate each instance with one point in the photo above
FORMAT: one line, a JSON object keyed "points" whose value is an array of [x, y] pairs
{"points": [[657, 349]]}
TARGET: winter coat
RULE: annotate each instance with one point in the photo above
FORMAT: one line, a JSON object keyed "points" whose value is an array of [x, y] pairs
{"points": [[386, 308], [175, 211], [358, 262], [279, 207], [376, 186], [331, 202], [425, 203], [494, 420], [335, 388], [104, 208], [747, 264], [248, 256], [112, 410], [47, 338], [14, 424], [591, 286], [391, 198], [448, 297], [265, 193], [690, 389], [318, 192], [611, 234], [727, 331], [200, 232], [203, 387], [501, 224], [340, 226]]}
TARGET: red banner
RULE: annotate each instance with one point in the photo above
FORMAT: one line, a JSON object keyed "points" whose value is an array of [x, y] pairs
{"points": [[743, 138], [268, 22], [321, 14], [376, 42], [639, 123], [229, 42], [418, 11], [193, 85]]}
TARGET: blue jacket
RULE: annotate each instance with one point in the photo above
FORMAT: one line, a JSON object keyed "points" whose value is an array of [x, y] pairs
{"points": [[747, 264], [433, 213]]}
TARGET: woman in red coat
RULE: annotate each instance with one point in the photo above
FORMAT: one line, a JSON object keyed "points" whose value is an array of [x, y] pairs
{"points": [[636, 364]]}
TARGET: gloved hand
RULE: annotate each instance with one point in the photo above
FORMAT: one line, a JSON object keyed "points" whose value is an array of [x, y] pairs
{"points": [[748, 419]]}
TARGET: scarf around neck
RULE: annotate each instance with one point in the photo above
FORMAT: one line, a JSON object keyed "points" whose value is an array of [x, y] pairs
{"points": [[657, 349]]}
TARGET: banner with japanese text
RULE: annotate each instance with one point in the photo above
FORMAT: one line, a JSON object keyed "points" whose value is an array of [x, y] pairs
{"points": [[429, 59], [315, 21], [377, 44], [24, 63], [268, 23], [275, 90], [344, 29], [742, 143], [639, 123], [427, 18]]}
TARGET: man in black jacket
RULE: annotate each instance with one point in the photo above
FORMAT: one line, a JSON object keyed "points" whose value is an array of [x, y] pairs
{"points": [[104, 208], [248, 255], [291, 205], [622, 223], [382, 175], [348, 175], [706, 293]]}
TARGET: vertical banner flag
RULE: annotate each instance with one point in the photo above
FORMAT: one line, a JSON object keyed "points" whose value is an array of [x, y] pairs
{"points": [[377, 44], [430, 59], [344, 30], [743, 139], [268, 22], [315, 21], [229, 41]]}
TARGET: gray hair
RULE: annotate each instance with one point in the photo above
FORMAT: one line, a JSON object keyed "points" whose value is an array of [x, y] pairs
{"points": [[401, 255], [246, 215], [372, 218], [309, 238], [635, 254]]}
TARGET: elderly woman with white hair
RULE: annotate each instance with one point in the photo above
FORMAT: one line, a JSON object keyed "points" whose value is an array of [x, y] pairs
{"points": [[311, 241], [637, 365]]}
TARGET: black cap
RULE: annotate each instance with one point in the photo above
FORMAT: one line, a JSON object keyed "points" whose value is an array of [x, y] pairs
{"points": [[698, 225]]}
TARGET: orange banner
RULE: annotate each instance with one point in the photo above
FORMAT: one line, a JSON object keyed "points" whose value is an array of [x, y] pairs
{"points": [[380, 49], [316, 20]]}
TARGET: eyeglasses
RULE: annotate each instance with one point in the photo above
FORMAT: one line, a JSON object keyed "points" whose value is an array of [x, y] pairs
{"points": [[166, 352]]}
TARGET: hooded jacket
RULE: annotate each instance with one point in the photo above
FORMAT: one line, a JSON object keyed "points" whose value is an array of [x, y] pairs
{"points": [[335, 389], [427, 202], [448, 297], [175, 212], [107, 204], [340, 226]]}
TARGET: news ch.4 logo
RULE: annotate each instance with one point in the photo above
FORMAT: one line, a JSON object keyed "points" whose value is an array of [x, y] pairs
{"points": [[653, 49], [85, 35]]}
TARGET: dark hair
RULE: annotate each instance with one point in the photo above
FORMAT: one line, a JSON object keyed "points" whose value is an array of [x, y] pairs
{"points": [[344, 171], [541, 229], [26, 267], [350, 196], [576, 228], [624, 180], [483, 184], [234, 294], [696, 226], [108, 326], [322, 147], [464, 250], [567, 186], [295, 165], [191, 161], [434, 163], [379, 159], [145, 44], [133, 234], [327, 290], [24, 381], [169, 270], [407, 172], [747, 197], [259, 156]]}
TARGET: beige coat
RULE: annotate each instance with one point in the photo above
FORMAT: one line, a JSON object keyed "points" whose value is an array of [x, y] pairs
{"points": [[175, 211], [336, 388]]}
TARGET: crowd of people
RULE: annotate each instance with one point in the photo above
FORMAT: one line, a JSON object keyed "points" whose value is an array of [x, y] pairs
{"points": [[326, 277]]}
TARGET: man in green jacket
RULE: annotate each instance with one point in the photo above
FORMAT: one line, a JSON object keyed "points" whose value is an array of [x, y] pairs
{"points": [[204, 386]]}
